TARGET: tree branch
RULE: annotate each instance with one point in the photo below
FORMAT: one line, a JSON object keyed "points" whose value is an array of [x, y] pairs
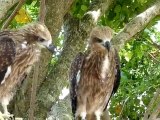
{"points": [[150, 106], [11, 17], [156, 45], [137, 24], [155, 113], [33, 91], [5, 6], [42, 12]]}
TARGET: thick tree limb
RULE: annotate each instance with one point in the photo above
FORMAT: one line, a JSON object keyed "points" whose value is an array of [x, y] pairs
{"points": [[5, 6], [11, 17], [149, 115], [56, 10], [137, 24], [155, 113]]}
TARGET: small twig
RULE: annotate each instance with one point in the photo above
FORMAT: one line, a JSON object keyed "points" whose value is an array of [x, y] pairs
{"points": [[18, 7], [155, 44], [120, 115], [154, 57], [33, 91], [42, 11]]}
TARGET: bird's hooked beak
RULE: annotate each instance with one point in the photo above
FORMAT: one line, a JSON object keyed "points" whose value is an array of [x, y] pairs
{"points": [[107, 45], [51, 48]]}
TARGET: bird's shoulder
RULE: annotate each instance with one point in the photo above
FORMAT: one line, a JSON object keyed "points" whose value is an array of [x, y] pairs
{"points": [[7, 54], [77, 63], [7, 51]]}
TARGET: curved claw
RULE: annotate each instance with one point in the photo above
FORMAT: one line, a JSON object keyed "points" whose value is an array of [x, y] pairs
{"points": [[12, 117]]}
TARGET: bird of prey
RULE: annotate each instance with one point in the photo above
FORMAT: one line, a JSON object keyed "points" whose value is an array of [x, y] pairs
{"points": [[94, 76], [19, 50]]}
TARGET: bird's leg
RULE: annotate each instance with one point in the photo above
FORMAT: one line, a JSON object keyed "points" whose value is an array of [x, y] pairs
{"points": [[83, 115], [1, 116], [5, 109], [6, 114], [98, 114], [5, 103]]}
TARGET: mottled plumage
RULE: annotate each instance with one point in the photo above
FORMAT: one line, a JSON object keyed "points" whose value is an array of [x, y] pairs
{"points": [[94, 76], [19, 50], [8, 51]]}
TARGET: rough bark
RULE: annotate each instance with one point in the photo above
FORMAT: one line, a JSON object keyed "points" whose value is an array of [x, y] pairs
{"points": [[5, 6]]}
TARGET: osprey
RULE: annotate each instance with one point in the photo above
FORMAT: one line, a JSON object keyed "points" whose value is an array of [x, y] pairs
{"points": [[94, 76], [19, 50]]}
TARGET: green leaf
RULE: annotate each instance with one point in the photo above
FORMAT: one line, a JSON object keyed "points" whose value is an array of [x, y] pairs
{"points": [[117, 9], [83, 7], [28, 2], [128, 55]]}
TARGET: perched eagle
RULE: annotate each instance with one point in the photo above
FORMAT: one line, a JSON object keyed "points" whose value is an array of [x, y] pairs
{"points": [[19, 50], [94, 76]]}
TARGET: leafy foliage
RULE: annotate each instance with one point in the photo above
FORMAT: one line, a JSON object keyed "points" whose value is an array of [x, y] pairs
{"points": [[122, 11], [140, 78]]}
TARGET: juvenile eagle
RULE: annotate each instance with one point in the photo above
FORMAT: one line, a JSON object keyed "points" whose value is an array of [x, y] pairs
{"points": [[94, 76], [19, 50]]}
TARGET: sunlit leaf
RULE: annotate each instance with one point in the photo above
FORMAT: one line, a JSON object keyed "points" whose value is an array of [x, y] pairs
{"points": [[22, 16]]}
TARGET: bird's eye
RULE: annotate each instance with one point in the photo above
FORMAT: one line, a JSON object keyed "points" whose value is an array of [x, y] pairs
{"points": [[99, 40], [41, 39]]}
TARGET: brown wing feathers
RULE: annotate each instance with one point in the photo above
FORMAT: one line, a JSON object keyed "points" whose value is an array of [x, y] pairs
{"points": [[118, 72], [75, 69], [7, 54]]}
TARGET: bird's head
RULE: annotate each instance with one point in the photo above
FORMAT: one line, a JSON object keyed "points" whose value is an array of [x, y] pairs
{"points": [[38, 33], [100, 38]]}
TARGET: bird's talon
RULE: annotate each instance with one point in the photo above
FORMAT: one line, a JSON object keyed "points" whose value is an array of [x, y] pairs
{"points": [[12, 117]]}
